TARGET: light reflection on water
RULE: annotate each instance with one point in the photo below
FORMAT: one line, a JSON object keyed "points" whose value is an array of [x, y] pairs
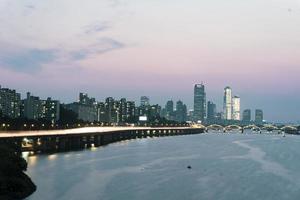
{"points": [[52, 157], [224, 166], [32, 160]]}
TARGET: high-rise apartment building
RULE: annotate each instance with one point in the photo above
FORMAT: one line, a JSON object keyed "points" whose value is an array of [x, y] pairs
{"points": [[10, 103], [122, 110], [86, 108], [35, 108], [101, 112], [169, 110], [130, 110], [145, 101], [154, 111], [111, 107], [51, 110], [86, 100], [181, 112]]}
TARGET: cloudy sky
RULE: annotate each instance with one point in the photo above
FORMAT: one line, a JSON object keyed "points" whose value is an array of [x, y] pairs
{"points": [[158, 48]]}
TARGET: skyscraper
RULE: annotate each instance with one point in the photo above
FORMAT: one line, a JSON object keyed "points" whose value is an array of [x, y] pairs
{"points": [[227, 106], [247, 115], [199, 102], [259, 116], [211, 111], [236, 108]]}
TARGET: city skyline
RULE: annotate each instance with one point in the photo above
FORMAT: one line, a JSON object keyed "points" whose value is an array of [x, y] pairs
{"points": [[121, 49], [90, 108]]}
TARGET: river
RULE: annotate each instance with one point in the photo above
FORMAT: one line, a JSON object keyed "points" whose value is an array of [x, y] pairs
{"points": [[223, 166]]}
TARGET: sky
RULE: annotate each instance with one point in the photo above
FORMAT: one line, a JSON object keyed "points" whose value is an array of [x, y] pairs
{"points": [[158, 48]]}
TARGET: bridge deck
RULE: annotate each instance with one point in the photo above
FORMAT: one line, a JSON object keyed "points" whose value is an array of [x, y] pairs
{"points": [[81, 131]]}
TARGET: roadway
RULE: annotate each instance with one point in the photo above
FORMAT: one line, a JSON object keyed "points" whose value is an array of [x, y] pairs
{"points": [[82, 131]]}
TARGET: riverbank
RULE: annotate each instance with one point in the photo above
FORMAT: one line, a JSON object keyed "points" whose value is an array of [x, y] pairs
{"points": [[14, 183]]}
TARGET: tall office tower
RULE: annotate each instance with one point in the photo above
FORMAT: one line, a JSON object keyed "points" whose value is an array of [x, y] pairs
{"points": [[169, 110], [10, 103], [199, 102], [236, 108], [247, 115], [227, 106], [145, 101], [181, 112], [259, 116], [211, 111]]}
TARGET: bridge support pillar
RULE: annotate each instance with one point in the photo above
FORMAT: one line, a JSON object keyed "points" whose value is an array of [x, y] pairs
{"points": [[76, 142], [97, 140], [63, 144], [88, 142], [107, 138], [47, 144]]}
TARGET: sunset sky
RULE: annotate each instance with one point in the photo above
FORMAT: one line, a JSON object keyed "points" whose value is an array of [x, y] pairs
{"points": [[158, 48]]}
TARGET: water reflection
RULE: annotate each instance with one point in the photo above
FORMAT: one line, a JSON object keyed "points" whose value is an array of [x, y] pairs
{"points": [[52, 157], [157, 169]]}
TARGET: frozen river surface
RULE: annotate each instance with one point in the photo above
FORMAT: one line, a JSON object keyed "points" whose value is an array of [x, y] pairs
{"points": [[224, 166]]}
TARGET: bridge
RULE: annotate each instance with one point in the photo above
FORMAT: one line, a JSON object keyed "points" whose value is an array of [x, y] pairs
{"points": [[266, 127], [81, 138]]}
